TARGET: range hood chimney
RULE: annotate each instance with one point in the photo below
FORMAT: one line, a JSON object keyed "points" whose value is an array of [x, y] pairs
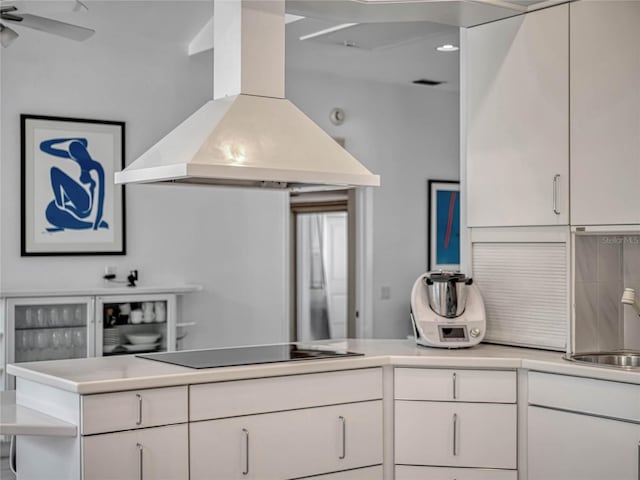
{"points": [[249, 135]]}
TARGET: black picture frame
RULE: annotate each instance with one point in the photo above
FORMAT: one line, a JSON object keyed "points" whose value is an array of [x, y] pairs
{"points": [[69, 203]]}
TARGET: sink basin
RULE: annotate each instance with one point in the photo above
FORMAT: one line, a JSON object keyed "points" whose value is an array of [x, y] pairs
{"points": [[625, 360]]}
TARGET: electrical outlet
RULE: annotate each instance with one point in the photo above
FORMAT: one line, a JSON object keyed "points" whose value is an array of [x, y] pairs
{"points": [[109, 270], [385, 293]]}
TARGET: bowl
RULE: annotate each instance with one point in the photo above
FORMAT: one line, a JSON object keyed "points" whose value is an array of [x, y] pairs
{"points": [[142, 338]]}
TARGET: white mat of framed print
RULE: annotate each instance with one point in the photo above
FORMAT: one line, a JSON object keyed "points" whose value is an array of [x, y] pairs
{"points": [[70, 204], [443, 252]]}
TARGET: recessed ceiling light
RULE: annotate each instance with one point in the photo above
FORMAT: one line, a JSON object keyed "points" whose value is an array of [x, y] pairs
{"points": [[448, 48]]}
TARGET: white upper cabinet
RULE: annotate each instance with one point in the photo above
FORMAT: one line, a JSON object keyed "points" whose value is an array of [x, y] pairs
{"points": [[517, 120], [605, 112]]}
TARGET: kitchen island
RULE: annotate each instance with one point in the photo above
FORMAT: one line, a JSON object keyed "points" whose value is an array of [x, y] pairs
{"points": [[345, 418]]}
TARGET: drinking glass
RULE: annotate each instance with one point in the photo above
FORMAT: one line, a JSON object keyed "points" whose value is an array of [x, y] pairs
{"points": [[54, 317], [67, 342], [42, 344], [66, 315], [78, 315], [79, 343], [41, 318], [56, 342], [29, 320], [23, 346]]}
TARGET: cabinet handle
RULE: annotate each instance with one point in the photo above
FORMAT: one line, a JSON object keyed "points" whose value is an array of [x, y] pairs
{"points": [[139, 422], [453, 380], [246, 451], [556, 177], [140, 461], [455, 434], [343, 421]]}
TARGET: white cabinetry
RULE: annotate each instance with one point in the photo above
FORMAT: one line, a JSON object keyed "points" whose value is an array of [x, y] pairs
{"points": [[582, 429], [291, 444], [286, 427], [455, 418], [571, 446], [605, 123], [54, 325], [160, 453], [517, 142]]}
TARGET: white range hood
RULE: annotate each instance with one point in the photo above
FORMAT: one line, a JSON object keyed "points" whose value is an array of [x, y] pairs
{"points": [[249, 135]]}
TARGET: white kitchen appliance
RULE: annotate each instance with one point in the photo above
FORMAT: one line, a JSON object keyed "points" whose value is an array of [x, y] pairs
{"points": [[447, 310]]}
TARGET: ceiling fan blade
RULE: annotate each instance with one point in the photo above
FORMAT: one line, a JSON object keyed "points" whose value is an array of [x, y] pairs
{"points": [[55, 27]]}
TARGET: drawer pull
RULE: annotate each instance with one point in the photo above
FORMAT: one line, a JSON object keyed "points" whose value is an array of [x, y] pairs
{"points": [[454, 382], [455, 434], [140, 461], [555, 194], [246, 451], [139, 422], [343, 421]]}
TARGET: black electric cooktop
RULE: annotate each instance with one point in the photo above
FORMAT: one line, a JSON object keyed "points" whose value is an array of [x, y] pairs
{"points": [[230, 357]]}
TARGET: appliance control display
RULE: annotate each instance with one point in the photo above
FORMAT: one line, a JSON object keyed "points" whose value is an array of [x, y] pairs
{"points": [[452, 334]]}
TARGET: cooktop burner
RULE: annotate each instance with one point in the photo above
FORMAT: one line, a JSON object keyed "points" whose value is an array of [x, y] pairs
{"points": [[230, 357]]}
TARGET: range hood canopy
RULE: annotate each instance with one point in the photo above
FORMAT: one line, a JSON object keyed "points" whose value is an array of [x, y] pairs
{"points": [[249, 135]]}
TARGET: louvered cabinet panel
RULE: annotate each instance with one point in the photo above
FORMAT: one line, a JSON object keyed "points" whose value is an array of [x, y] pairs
{"points": [[524, 286]]}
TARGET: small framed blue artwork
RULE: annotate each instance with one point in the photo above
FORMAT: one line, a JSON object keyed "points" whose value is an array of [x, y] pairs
{"points": [[443, 233], [70, 204]]}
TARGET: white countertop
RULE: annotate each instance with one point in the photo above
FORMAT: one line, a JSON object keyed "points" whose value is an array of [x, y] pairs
{"points": [[19, 420], [114, 289], [127, 372]]}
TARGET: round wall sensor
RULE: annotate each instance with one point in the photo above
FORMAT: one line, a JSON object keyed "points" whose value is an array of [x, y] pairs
{"points": [[337, 116]]}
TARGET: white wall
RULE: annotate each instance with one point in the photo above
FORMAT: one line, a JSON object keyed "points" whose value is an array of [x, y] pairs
{"points": [[135, 69], [407, 135], [233, 242]]}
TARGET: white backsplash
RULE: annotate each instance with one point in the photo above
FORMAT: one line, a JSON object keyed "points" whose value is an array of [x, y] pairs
{"points": [[605, 266]]}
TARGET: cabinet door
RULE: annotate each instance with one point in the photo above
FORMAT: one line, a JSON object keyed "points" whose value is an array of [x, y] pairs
{"points": [[159, 453], [570, 446], [517, 99], [455, 434], [288, 444], [605, 123], [49, 328]]}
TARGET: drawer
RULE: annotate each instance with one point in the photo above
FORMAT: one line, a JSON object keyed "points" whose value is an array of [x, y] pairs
{"points": [[212, 400], [290, 444], [455, 434], [111, 412], [368, 473], [598, 397], [495, 386], [160, 453], [406, 472]]}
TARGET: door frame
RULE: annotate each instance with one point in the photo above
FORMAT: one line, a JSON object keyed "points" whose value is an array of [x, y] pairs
{"points": [[343, 200]]}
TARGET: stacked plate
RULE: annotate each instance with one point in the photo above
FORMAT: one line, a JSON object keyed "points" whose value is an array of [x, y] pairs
{"points": [[141, 342], [110, 339]]}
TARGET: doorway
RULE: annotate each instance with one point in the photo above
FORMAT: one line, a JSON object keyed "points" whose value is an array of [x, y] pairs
{"points": [[322, 265]]}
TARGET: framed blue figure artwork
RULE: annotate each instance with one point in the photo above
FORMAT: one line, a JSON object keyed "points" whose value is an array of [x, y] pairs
{"points": [[443, 252], [70, 204]]}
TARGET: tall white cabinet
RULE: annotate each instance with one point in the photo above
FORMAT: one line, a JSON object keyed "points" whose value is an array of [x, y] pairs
{"points": [[605, 112], [517, 102]]}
